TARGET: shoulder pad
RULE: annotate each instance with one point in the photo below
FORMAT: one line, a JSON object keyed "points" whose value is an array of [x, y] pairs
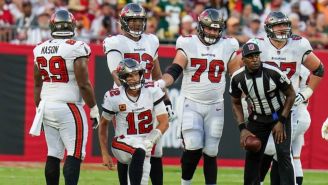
{"points": [[149, 84], [296, 37]]}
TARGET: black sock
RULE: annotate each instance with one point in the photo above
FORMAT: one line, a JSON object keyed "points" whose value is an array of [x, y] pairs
{"points": [[156, 171], [210, 169], [299, 180], [122, 170], [265, 166], [189, 161], [52, 170], [274, 175], [136, 166], [72, 170]]}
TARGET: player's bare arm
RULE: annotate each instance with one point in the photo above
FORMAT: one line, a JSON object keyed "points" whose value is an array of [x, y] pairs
{"points": [[37, 85], [175, 69], [163, 121], [103, 140], [82, 78], [156, 72], [313, 63], [234, 64], [239, 116], [115, 78]]}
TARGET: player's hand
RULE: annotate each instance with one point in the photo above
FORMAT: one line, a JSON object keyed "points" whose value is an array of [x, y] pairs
{"points": [[108, 162], [279, 132], [299, 99], [148, 146], [243, 135], [324, 130], [94, 116], [170, 112], [160, 83]]}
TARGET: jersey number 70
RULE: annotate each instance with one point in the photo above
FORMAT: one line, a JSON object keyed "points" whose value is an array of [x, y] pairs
{"points": [[216, 67]]}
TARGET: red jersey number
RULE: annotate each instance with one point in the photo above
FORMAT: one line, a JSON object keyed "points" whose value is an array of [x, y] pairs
{"points": [[216, 67], [145, 123], [57, 69], [289, 68], [145, 58]]}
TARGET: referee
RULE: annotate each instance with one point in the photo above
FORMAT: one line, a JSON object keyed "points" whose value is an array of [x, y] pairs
{"points": [[271, 96]]}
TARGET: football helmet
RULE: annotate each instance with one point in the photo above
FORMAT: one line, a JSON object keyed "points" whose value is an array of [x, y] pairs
{"points": [[133, 11], [276, 18], [62, 24], [210, 18], [127, 66]]}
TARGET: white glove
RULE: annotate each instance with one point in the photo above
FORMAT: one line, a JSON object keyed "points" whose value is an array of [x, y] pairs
{"points": [[160, 83], [148, 146], [324, 130], [302, 96], [94, 116], [170, 112]]}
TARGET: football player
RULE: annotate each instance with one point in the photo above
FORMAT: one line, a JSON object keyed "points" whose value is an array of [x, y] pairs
{"points": [[61, 86], [204, 60], [136, 106], [288, 52], [135, 44]]}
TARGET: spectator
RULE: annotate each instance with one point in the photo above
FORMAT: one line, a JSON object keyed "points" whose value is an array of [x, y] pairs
{"points": [[188, 26], [41, 33], [221, 6], [247, 14], [297, 25], [276, 5], [234, 30], [81, 33], [317, 39], [28, 20], [100, 25], [254, 28], [152, 24]]}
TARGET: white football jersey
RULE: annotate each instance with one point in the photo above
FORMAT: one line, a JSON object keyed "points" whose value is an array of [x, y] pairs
{"points": [[133, 117], [55, 60], [144, 50], [288, 59], [204, 75]]}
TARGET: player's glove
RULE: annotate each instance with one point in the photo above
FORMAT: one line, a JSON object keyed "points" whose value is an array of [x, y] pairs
{"points": [[151, 139], [324, 130], [148, 146], [94, 116], [160, 83], [302, 96], [170, 112]]}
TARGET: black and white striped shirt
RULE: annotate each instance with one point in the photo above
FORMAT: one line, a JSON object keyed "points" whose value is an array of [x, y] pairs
{"points": [[263, 88]]}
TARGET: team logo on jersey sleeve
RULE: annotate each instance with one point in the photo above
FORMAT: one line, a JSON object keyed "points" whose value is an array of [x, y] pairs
{"points": [[122, 107]]}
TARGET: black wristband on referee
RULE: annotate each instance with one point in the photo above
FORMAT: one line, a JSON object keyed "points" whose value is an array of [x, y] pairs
{"points": [[242, 126], [283, 119]]}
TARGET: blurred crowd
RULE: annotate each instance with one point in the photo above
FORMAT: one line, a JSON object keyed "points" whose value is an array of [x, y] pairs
{"points": [[27, 21]]}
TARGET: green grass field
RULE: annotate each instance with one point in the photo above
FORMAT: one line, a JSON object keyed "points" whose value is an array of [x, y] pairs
{"points": [[227, 176]]}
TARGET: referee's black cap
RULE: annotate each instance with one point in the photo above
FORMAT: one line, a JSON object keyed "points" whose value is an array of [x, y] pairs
{"points": [[250, 48]]}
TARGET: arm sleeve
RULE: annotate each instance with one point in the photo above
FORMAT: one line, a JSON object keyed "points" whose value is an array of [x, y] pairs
{"points": [[113, 59]]}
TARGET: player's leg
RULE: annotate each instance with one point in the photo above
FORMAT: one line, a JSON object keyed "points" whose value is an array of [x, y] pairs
{"points": [[156, 171], [296, 148], [122, 171], [269, 151], [130, 150], [74, 133], [55, 154], [213, 126], [55, 144], [192, 139]]}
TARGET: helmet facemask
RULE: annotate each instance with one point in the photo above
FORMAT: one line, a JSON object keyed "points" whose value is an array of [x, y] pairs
{"points": [[130, 12], [280, 35], [135, 86], [131, 67], [210, 18], [276, 19]]}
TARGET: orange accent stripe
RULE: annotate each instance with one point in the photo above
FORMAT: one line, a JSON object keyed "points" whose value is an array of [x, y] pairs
{"points": [[79, 130], [122, 146]]}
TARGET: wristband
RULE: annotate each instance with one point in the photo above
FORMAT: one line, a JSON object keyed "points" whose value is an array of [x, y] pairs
{"points": [[242, 126], [283, 119]]}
